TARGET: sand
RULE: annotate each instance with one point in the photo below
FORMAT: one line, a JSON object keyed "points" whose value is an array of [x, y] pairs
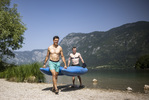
{"points": [[42, 91]]}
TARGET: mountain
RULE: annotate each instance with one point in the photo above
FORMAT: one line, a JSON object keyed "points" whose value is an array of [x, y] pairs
{"points": [[120, 46], [24, 57]]}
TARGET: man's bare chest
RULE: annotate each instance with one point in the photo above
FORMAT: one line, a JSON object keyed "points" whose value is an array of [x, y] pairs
{"points": [[74, 56], [54, 51]]}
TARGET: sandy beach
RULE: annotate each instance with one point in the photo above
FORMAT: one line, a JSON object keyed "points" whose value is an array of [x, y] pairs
{"points": [[42, 91]]}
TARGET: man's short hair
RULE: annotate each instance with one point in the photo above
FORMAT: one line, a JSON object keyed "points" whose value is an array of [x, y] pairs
{"points": [[55, 37], [73, 48]]}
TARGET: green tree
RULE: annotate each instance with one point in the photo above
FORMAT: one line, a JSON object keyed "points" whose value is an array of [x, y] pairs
{"points": [[142, 62], [11, 29]]}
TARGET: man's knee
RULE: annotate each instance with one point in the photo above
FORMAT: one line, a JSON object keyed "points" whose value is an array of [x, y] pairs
{"points": [[53, 74], [79, 77]]}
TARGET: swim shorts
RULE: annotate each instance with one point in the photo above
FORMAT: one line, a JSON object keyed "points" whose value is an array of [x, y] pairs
{"points": [[54, 65]]}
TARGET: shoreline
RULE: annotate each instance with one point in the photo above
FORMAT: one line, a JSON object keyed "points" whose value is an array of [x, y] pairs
{"points": [[42, 91], [105, 84]]}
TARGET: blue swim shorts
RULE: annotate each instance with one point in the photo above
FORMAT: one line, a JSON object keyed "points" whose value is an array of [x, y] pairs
{"points": [[54, 65]]}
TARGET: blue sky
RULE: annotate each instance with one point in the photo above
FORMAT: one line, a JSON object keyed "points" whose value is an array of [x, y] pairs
{"points": [[47, 18]]}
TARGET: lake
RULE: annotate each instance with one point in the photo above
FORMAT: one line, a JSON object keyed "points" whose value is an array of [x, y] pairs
{"points": [[116, 79]]}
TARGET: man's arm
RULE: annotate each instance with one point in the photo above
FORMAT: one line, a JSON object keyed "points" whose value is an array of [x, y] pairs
{"points": [[63, 58], [81, 58], [69, 60], [47, 57], [83, 64]]}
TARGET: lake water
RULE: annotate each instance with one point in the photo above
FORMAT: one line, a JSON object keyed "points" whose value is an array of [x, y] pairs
{"points": [[116, 79]]}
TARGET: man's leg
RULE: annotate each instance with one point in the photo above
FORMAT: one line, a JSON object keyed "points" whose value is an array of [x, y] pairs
{"points": [[56, 90], [54, 78], [73, 81], [80, 80]]}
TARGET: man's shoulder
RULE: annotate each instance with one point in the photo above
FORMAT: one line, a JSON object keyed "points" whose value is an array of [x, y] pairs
{"points": [[50, 46], [70, 54], [59, 47], [77, 53]]}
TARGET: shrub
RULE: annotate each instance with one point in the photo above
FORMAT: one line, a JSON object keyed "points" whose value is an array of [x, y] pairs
{"points": [[24, 73], [142, 62]]}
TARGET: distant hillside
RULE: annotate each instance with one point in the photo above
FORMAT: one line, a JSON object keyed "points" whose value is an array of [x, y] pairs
{"points": [[25, 57], [120, 46]]}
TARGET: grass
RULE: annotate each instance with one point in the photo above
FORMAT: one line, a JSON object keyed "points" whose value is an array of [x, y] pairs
{"points": [[24, 73]]}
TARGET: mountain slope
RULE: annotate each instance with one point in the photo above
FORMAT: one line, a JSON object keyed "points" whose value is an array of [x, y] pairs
{"points": [[24, 57], [120, 46]]}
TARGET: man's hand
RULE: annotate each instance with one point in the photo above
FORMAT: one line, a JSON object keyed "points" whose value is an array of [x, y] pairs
{"points": [[84, 65], [44, 66], [65, 67]]}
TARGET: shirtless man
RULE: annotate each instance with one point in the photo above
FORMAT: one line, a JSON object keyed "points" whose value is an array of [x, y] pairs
{"points": [[54, 51], [75, 56]]}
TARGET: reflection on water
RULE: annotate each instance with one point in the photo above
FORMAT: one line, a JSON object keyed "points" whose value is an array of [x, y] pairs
{"points": [[118, 79]]}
